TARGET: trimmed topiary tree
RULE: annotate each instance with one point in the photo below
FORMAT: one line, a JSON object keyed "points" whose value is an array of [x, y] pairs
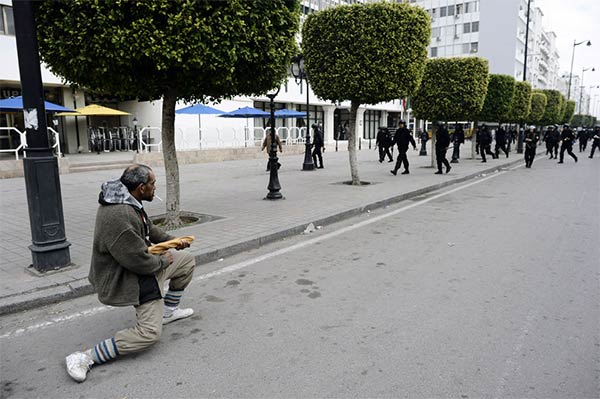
{"points": [[538, 107], [365, 53], [169, 49], [519, 109], [453, 89], [499, 98], [552, 113], [569, 111]]}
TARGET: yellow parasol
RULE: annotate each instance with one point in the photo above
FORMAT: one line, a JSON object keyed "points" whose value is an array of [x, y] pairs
{"points": [[94, 110]]}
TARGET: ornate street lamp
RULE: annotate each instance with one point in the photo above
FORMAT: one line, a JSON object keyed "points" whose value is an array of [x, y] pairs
{"points": [[274, 185], [135, 134], [299, 73], [575, 44]]}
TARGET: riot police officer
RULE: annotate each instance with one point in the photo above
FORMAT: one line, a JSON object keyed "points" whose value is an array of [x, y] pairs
{"points": [[531, 139], [485, 142], [383, 142], [402, 138], [500, 141], [567, 138], [595, 141]]}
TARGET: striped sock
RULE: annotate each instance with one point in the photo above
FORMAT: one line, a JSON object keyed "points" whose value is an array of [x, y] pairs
{"points": [[172, 298], [105, 351]]}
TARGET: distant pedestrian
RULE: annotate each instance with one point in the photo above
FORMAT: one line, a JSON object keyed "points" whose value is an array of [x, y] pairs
{"points": [[582, 138], [531, 139], [458, 138], [402, 138], [267, 145], [125, 273], [595, 141], [485, 143], [318, 146], [567, 138], [500, 142], [383, 142], [441, 146]]}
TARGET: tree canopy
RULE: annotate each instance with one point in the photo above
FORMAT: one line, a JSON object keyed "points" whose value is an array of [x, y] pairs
{"points": [[569, 110], [367, 53], [521, 103], [552, 113], [144, 49], [498, 99], [538, 106]]}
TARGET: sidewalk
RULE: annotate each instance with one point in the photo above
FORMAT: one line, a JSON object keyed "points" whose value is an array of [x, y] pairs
{"points": [[232, 190]]}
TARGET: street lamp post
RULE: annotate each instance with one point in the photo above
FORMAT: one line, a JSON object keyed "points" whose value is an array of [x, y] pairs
{"points": [[582, 86], [575, 44], [49, 248], [299, 73], [274, 186]]}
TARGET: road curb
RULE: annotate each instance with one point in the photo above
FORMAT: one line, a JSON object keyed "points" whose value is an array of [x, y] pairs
{"points": [[81, 287]]}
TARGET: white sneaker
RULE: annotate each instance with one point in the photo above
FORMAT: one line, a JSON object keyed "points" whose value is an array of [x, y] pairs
{"points": [[78, 365], [171, 315]]}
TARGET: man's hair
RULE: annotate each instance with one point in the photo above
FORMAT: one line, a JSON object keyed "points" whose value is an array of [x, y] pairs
{"points": [[135, 175]]}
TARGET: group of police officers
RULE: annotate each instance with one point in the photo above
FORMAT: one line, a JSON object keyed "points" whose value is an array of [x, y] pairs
{"points": [[552, 136]]}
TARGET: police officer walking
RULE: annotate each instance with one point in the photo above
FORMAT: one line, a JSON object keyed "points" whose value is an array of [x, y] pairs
{"points": [[567, 138], [500, 141], [595, 141], [383, 142], [531, 139], [582, 138], [485, 143], [457, 139], [318, 146], [441, 146], [402, 138]]}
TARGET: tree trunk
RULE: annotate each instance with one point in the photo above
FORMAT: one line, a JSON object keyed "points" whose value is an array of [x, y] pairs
{"points": [[474, 139], [172, 220], [352, 144], [433, 140]]}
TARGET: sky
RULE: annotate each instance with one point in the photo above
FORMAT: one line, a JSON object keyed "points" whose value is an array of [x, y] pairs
{"points": [[576, 20]]}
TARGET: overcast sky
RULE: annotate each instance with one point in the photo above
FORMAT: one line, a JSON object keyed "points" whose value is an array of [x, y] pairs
{"points": [[576, 20]]}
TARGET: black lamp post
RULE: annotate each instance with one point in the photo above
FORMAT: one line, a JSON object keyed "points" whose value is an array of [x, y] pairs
{"points": [[299, 73], [575, 44], [49, 248], [135, 134], [274, 185], [582, 86]]}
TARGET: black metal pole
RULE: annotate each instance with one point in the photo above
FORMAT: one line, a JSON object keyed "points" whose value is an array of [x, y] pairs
{"points": [[274, 186], [308, 162], [49, 248], [526, 41]]}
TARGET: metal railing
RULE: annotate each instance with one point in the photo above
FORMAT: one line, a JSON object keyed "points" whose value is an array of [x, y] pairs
{"points": [[147, 146], [22, 140], [232, 138]]}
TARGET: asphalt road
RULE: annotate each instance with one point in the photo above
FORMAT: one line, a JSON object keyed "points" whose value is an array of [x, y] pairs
{"points": [[485, 290]]}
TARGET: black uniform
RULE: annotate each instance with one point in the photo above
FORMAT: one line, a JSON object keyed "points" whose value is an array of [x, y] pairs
{"points": [[501, 142], [595, 141], [458, 139], [383, 143], [531, 139], [582, 138], [318, 145], [441, 146], [567, 138], [485, 143], [402, 138]]}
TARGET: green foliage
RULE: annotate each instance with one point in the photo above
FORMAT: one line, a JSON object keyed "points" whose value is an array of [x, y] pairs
{"points": [[569, 111], [498, 99], [521, 103], [366, 53], [583, 120], [538, 106], [552, 113], [196, 49], [453, 89]]}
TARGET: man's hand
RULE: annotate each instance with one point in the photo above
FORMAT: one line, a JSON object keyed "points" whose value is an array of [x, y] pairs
{"points": [[169, 256], [183, 244]]}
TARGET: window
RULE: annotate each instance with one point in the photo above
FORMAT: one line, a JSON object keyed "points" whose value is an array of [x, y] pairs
{"points": [[443, 11], [466, 48], [459, 9], [433, 10], [450, 10], [474, 47], [475, 26], [467, 7], [434, 51], [7, 22], [371, 120], [436, 32], [467, 27]]}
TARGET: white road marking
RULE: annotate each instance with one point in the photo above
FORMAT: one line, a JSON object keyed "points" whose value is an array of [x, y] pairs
{"points": [[258, 259]]}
